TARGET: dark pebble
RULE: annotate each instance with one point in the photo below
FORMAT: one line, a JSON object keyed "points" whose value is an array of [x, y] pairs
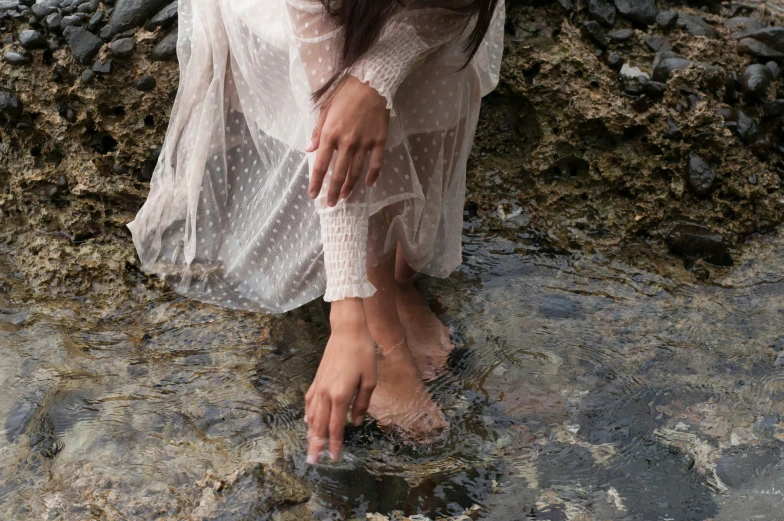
{"points": [[696, 26], [771, 36], [622, 35], [134, 13], [667, 19], [107, 31], [165, 17], [701, 178], [87, 76], [96, 20], [146, 83], [752, 179], [657, 43], [773, 108], [758, 49], [10, 105], [613, 60], [166, 49], [665, 63], [640, 11], [102, 68], [70, 20], [17, 58], [123, 48], [742, 26], [602, 11], [593, 32], [84, 45], [694, 241], [88, 7], [774, 69], [32, 39], [42, 11], [53, 21], [673, 131], [755, 80]]}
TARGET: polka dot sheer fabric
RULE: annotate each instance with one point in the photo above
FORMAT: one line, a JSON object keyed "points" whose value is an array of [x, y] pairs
{"points": [[228, 220]]}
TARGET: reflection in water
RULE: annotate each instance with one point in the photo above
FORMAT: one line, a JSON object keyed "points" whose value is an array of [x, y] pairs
{"points": [[580, 388]]}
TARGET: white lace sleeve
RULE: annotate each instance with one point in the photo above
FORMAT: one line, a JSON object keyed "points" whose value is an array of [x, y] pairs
{"points": [[344, 232], [319, 39], [407, 39]]}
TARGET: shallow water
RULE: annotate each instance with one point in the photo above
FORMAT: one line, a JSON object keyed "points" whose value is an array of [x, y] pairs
{"points": [[580, 389]]}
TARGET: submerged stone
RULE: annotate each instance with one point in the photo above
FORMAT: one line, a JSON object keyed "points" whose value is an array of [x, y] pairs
{"points": [[695, 241]]}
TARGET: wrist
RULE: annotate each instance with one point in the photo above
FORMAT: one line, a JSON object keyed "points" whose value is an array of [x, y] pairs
{"points": [[347, 315]]}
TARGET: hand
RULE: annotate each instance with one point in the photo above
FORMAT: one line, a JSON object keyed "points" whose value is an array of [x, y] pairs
{"points": [[354, 124], [348, 366]]}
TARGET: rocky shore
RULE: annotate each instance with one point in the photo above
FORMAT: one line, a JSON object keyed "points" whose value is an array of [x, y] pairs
{"points": [[655, 128]]}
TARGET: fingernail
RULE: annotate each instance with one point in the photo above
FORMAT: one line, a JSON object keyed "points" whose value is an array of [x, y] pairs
{"points": [[311, 459], [309, 145], [357, 421], [332, 456]]}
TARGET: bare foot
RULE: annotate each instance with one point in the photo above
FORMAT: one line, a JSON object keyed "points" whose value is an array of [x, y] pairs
{"points": [[428, 337], [401, 400]]}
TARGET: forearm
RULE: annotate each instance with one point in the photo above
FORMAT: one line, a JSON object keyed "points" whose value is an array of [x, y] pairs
{"points": [[347, 315]]}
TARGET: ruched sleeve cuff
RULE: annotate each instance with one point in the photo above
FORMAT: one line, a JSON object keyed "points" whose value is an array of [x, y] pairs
{"points": [[344, 232]]}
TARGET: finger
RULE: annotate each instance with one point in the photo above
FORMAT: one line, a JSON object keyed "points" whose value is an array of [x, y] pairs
{"points": [[320, 168], [362, 402], [339, 173], [315, 137], [376, 160], [337, 424], [317, 429], [354, 173]]}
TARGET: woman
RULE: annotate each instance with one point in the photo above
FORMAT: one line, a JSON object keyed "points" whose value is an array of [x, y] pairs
{"points": [[369, 108]]}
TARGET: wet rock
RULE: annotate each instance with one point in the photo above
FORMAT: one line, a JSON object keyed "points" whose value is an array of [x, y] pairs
{"points": [[701, 178], [123, 48], [70, 20], [41, 10], [106, 33], [773, 108], [145, 83], [667, 19], [658, 43], [694, 241], [134, 13], [743, 465], [87, 77], [18, 419], [774, 69], [667, 62], [10, 106], [602, 11], [88, 7], [84, 45], [102, 68], [621, 35], [640, 11], [771, 36], [53, 21], [741, 124], [32, 39], [42, 439], [613, 60], [696, 26], [673, 131], [17, 58], [167, 48], [165, 16], [593, 32], [7, 5], [755, 80], [96, 20], [742, 26], [758, 49]]}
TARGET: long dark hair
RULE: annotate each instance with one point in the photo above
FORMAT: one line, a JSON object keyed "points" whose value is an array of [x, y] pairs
{"points": [[363, 21]]}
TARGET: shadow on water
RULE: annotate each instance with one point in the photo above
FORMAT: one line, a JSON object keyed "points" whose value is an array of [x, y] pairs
{"points": [[580, 388]]}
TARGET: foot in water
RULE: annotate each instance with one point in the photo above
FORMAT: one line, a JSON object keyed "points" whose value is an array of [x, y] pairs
{"points": [[401, 399], [428, 337]]}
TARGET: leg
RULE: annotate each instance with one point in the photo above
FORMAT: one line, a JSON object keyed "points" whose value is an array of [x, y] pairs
{"points": [[428, 337], [401, 397]]}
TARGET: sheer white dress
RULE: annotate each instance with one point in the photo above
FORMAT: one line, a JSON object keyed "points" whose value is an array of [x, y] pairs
{"points": [[228, 220]]}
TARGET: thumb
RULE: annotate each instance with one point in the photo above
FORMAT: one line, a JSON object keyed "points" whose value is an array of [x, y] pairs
{"points": [[315, 137]]}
